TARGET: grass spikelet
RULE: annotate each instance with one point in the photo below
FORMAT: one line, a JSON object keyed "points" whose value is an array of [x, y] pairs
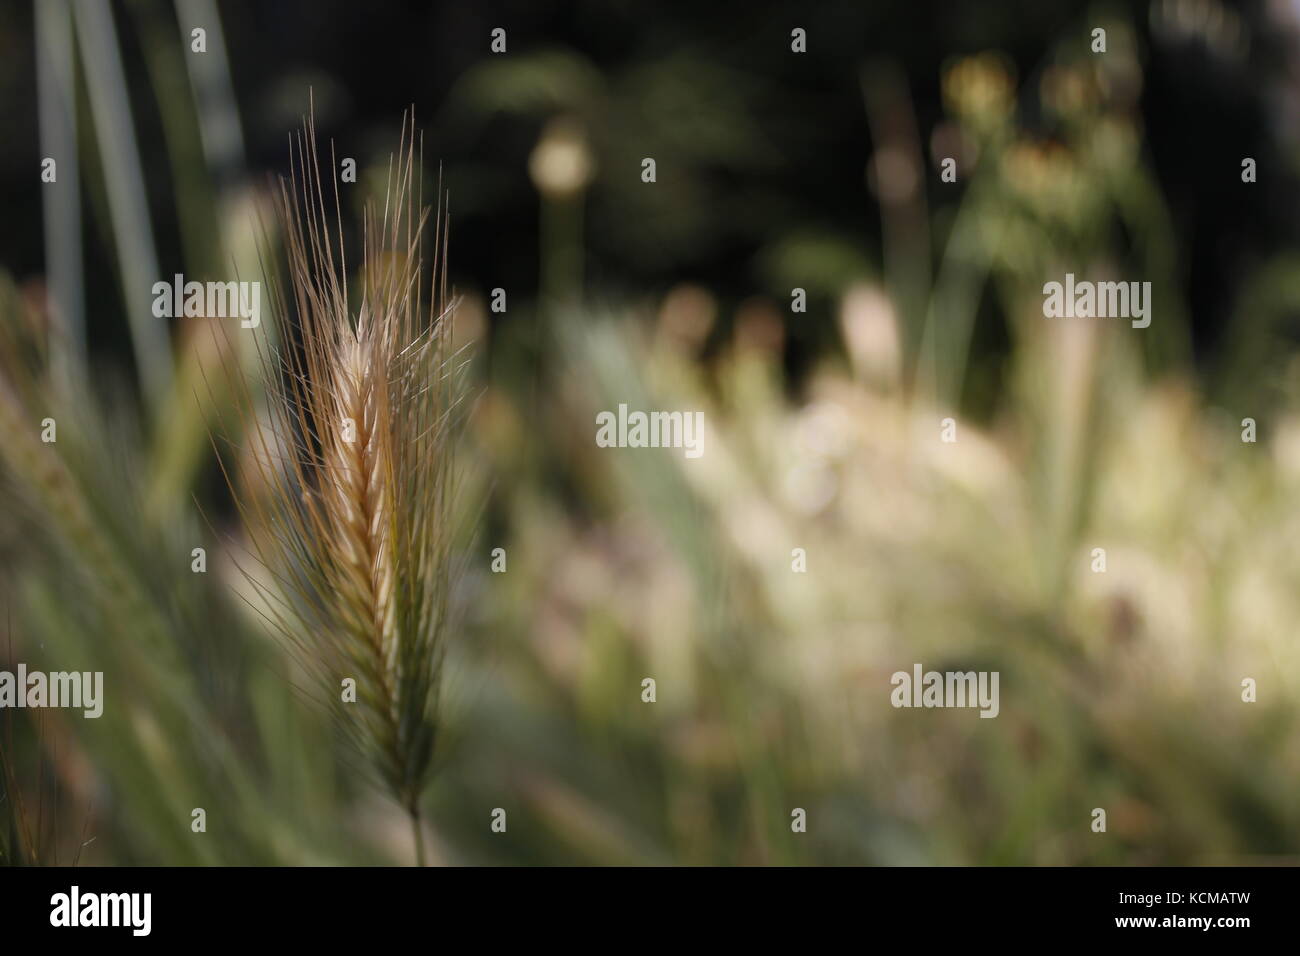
{"points": [[350, 519]]}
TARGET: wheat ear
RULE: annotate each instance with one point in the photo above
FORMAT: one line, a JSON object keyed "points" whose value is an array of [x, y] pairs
{"points": [[352, 463]]}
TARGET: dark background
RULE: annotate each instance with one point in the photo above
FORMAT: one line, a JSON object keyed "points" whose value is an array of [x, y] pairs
{"points": [[800, 165]]}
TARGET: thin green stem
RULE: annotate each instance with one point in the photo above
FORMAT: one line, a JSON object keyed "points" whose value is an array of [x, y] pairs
{"points": [[417, 833]]}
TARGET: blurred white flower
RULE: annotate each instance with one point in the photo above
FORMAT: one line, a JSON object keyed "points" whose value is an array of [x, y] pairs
{"points": [[561, 163]]}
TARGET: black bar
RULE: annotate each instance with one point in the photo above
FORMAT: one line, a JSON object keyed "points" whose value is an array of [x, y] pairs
{"points": [[613, 907]]}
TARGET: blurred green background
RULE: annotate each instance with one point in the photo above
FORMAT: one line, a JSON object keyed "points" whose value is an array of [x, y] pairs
{"points": [[776, 170]]}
